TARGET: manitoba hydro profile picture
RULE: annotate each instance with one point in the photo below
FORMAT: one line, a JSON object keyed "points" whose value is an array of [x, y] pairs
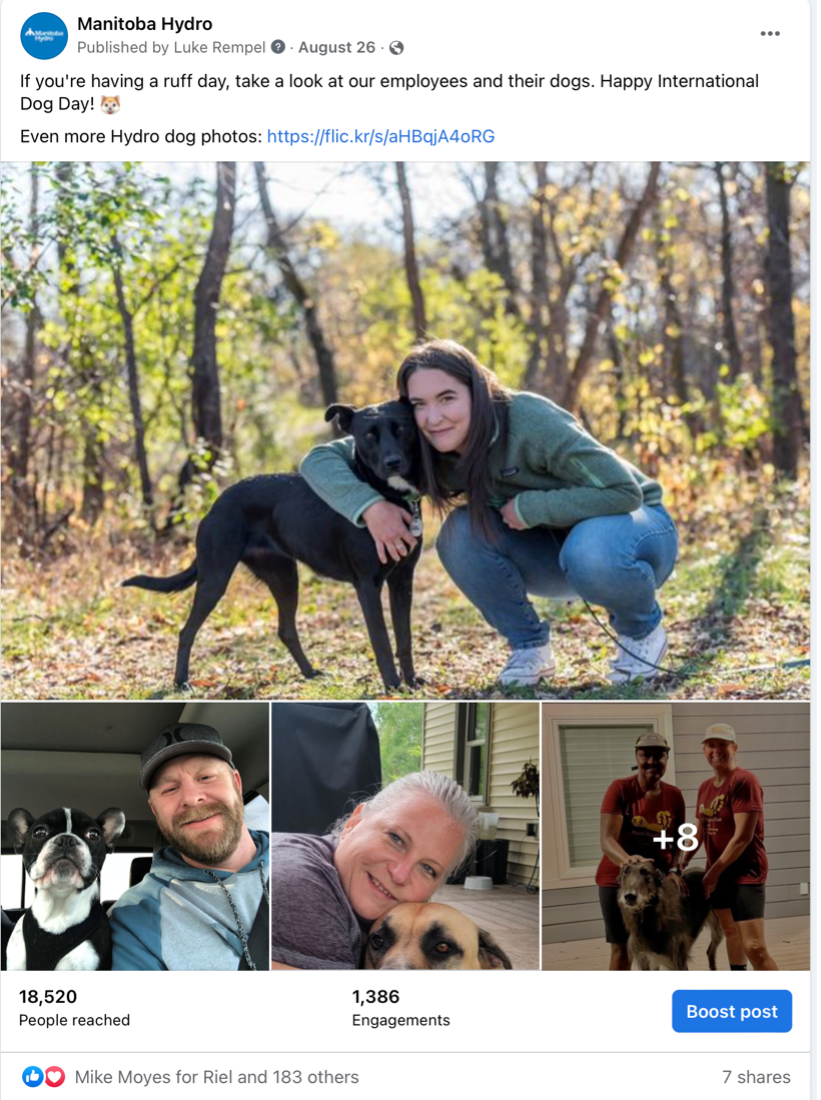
{"points": [[44, 35]]}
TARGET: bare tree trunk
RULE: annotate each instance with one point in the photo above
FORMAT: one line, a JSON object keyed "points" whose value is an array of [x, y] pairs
{"points": [[24, 502], [93, 452], [540, 287], [206, 407], [674, 347], [307, 303], [206, 404], [601, 306], [132, 373], [420, 324], [567, 267], [26, 404], [558, 344], [732, 353], [93, 496], [786, 399], [498, 256], [673, 331], [29, 354], [621, 380], [485, 235], [18, 404]]}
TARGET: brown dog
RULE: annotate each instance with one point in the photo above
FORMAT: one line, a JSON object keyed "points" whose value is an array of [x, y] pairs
{"points": [[427, 936]]}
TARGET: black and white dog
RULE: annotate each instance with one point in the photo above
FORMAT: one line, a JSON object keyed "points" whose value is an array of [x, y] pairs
{"points": [[271, 522], [65, 928]]}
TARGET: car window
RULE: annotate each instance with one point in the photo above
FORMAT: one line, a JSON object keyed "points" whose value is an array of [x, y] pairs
{"points": [[11, 870], [115, 875]]}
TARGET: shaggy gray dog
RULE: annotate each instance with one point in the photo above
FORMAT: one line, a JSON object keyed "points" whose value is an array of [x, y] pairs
{"points": [[661, 922]]}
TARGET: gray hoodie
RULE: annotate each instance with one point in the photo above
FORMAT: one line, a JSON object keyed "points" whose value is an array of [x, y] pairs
{"points": [[178, 917]]}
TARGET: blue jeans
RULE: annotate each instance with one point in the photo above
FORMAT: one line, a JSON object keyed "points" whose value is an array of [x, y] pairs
{"points": [[615, 562]]}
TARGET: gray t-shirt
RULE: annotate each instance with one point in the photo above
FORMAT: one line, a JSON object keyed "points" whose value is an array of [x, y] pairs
{"points": [[313, 926]]}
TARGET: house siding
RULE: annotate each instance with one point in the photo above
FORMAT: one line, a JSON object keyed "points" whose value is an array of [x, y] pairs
{"points": [[774, 744], [514, 740]]}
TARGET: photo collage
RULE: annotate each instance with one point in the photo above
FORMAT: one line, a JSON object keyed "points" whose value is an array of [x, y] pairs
{"points": [[405, 566]]}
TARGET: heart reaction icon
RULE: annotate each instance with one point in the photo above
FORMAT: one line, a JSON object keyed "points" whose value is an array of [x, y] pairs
{"points": [[55, 1076]]}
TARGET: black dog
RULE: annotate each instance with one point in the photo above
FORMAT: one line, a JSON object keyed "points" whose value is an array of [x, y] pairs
{"points": [[64, 851], [272, 521]]}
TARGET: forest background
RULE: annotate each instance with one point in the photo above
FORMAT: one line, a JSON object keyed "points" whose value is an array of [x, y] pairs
{"points": [[169, 329]]}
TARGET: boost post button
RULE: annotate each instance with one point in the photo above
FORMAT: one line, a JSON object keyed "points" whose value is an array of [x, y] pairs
{"points": [[741, 1010]]}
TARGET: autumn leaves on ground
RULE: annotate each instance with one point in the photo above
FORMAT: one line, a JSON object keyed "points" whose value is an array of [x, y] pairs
{"points": [[736, 606]]}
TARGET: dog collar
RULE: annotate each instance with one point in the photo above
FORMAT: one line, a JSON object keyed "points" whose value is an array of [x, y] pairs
{"points": [[416, 518]]}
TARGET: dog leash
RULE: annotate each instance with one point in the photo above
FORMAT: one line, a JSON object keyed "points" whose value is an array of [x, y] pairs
{"points": [[685, 671], [668, 670]]}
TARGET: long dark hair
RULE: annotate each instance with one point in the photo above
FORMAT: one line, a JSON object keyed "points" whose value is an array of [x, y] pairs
{"points": [[489, 402]]}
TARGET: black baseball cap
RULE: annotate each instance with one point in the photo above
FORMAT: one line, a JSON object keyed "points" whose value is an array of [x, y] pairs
{"points": [[181, 739]]}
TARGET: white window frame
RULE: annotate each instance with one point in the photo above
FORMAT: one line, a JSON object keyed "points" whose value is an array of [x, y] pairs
{"points": [[466, 715], [554, 718]]}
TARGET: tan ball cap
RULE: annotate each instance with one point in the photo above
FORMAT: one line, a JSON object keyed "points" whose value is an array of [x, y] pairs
{"points": [[653, 741], [720, 731]]}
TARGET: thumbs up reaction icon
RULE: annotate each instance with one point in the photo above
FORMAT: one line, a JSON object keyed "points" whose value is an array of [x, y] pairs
{"points": [[32, 1076]]}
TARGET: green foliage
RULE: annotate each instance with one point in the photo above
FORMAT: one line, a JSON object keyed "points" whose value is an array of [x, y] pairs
{"points": [[400, 737], [21, 275], [152, 227], [470, 312], [745, 416]]}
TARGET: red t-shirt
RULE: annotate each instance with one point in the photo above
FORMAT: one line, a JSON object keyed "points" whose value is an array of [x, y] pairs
{"points": [[740, 793], [643, 820]]}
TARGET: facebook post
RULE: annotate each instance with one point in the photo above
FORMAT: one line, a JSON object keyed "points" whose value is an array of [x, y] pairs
{"points": [[406, 545]]}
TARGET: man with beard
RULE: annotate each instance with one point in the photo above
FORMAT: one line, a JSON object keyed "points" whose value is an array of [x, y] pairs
{"points": [[634, 813], [204, 903]]}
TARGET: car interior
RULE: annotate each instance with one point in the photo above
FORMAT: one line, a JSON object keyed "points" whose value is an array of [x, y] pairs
{"points": [[87, 756]]}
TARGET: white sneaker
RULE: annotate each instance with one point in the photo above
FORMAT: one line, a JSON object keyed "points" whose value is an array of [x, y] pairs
{"points": [[636, 657], [528, 666]]}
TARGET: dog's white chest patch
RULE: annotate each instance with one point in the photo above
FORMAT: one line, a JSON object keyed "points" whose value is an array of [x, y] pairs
{"points": [[83, 957], [401, 485], [16, 948], [57, 915]]}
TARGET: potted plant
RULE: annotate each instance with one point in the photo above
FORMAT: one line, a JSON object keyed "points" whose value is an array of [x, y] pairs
{"points": [[526, 785]]}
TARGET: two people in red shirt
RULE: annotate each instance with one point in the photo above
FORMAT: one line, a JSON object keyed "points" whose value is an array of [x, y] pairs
{"points": [[729, 824]]}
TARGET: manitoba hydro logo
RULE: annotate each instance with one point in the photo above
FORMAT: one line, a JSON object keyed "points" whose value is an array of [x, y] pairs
{"points": [[44, 35]]}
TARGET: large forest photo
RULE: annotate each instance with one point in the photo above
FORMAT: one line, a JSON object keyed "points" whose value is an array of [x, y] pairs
{"points": [[169, 330]]}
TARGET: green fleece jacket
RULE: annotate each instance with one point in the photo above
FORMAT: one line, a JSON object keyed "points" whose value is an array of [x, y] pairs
{"points": [[550, 466]]}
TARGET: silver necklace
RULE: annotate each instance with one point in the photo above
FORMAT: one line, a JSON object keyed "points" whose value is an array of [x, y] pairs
{"points": [[243, 939]]}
